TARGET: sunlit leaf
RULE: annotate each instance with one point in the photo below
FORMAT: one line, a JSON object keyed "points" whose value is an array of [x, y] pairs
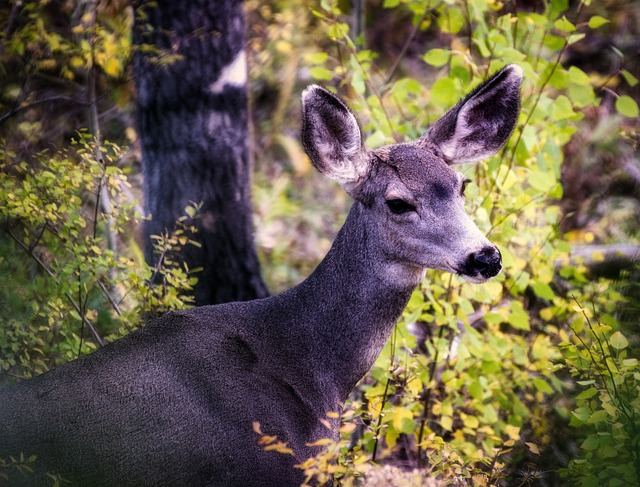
{"points": [[629, 78], [564, 25], [587, 394], [542, 385], [321, 73], [597, 21], [627, 106], [618, 341], [436, 57]]}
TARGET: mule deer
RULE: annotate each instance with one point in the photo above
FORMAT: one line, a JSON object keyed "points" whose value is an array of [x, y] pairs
{"points": [[173, 403]]}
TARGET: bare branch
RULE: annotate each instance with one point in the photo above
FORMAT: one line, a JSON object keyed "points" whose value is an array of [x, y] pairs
{"points": [[19, 108], [73, 302]]}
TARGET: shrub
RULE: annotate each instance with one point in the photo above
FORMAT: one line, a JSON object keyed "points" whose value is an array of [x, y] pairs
{"points": [[72, 287]]}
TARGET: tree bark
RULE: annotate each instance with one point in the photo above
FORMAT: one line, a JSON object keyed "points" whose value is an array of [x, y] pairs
{"points": [[192, 119]]}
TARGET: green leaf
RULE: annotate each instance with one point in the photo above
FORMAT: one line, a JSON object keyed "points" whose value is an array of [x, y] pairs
{"points": [[591, 443], [475, 390], [581, 96], [564, 25], [578, 76], [452, 20], [597, 21], [358, 83], [511, 55], [575, 38], [590, 481], [598, 417], [587, 394], [562, 109], [543, 290], [320, 73], [581, 414], [556, 7], [542, 386], [541, 181], [627, 106], [316, 57], [554, 42], [402, 420], [338, 30], [618, 341], [518, 317], [493, 318], [436, 57], [482, 47], [444, 92], [629, 78]]}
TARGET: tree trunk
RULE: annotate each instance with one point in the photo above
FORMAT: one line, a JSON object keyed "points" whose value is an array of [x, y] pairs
{"points": [[193, 126]]}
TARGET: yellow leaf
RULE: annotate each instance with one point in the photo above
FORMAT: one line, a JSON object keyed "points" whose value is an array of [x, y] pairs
{"points": [[131, 134], [266, 439], [546, 314], [112, 67], [512, 431], [283, 47], [398, 418], [280, 448], [347, 428], [299, 159], [479, 479], [414, 385], [533, 448], [321, 442]]}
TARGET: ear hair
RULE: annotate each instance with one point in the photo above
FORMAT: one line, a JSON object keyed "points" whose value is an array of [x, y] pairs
{"points": [[479, 125], [332, 138]]}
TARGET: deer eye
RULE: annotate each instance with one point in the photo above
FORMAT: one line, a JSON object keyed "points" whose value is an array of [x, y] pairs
{"points": [[465, 181], [398, 206]]}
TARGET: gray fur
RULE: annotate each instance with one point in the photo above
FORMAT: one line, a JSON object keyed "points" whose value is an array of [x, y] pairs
{"points": [[174, 402]]}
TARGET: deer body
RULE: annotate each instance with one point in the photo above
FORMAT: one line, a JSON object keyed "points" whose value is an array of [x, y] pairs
{"points": [[173, 403]]}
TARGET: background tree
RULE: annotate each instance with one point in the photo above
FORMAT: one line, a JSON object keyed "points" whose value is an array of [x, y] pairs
{"points": [[192, 112]]}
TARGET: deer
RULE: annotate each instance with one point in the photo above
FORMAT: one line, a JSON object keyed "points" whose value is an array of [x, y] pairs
{"points": [[175, 402]]}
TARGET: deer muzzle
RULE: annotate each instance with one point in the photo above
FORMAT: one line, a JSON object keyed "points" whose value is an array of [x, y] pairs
{"points": [[484, 264]]}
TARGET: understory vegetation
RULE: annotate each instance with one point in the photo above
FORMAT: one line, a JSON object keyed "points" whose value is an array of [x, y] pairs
{"points": [[530, 379]]}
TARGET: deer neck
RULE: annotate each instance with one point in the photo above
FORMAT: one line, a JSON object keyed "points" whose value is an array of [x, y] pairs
{"points": [[357, 296]]}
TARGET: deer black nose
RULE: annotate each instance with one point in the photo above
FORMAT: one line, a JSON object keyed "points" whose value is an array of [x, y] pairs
{"points": [[486, 262]]}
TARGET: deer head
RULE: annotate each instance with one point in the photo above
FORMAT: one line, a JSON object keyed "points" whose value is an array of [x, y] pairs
{"points": [[411, 196]]}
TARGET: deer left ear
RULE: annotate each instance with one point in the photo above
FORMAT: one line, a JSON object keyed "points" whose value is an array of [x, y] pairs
{"points": [[332, 138], [482, 122]]}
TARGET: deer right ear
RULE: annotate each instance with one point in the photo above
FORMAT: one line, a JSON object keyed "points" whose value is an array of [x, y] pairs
{"points": [[481, 123], [332, 138]]}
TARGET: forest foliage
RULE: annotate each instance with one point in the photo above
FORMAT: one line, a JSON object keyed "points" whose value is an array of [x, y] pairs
{"points": [[531, 377]]}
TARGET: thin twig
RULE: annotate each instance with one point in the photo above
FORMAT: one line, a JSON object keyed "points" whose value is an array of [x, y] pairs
{"points": [[403, 52], [45, 268], [385, 394], [432, 370], [110, 298], [17, 109]]}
